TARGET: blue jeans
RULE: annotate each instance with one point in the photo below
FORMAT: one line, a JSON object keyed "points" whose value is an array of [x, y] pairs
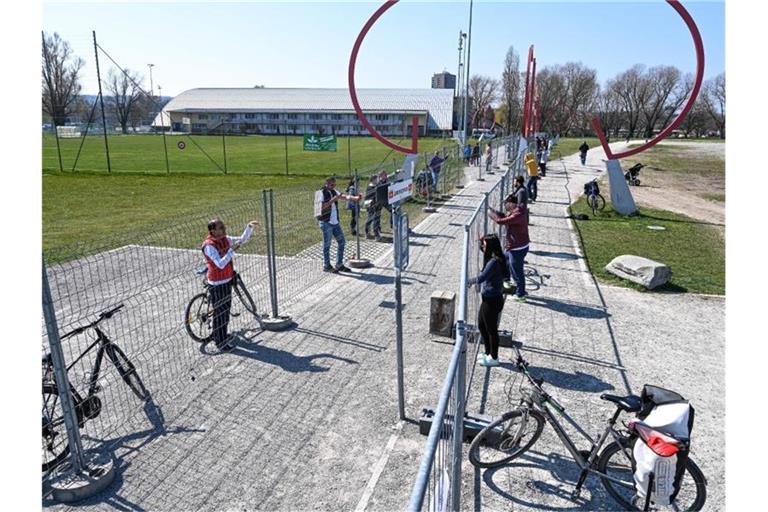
{"points": [[583, 157], [515, 260], [533, 187], [332, 230]]}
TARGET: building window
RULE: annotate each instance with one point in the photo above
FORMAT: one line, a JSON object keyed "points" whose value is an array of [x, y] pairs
{"points": [[293, 116], [202, 116], [336, 117], [273, 116], [214, 117], [315, 116], [250, 116], [199, 126], [381, 117]]}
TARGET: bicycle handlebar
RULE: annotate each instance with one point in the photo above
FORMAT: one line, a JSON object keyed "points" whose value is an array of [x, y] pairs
{"points": [[103, 316]]}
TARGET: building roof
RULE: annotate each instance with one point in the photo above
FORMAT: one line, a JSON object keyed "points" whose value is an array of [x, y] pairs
{"points": [[437, 102]]}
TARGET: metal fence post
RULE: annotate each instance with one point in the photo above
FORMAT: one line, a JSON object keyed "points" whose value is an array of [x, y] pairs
{"points": [[60, 375], [273, 256], [485, 213], [270, 249], [101, 100], [458, 428]]}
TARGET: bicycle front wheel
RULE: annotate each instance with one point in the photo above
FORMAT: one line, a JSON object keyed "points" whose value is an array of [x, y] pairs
{"points": [[617, 464], [198, 318], [600, 200], [245, 298], [127, 371], [506, 438], [55, 445]]}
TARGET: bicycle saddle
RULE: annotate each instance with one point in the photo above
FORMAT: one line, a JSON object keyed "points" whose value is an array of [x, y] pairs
{"points": [[629, 403]]}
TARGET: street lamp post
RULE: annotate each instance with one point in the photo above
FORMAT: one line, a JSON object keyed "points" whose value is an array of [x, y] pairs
{"points": [[466, 70], [151, 88]]}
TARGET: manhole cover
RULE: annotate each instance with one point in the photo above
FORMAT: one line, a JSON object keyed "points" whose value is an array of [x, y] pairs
{"points": [[657, 228]]}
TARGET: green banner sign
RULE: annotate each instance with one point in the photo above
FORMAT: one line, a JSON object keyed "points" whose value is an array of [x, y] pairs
{"points": [[319, 143]]}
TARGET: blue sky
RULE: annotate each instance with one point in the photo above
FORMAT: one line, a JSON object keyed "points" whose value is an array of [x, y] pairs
{"points": [[307, 44]]}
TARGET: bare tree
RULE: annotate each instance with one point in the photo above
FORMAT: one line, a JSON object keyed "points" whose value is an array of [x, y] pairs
{"points": [[510, 90], [566, 94], [697, 120], [483, 91], [125, 90], [61, 78], [608, 110], [632, 89], [713, 100]]}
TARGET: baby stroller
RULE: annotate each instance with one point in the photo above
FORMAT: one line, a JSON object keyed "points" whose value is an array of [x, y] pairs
{"points": [[631, 174]]}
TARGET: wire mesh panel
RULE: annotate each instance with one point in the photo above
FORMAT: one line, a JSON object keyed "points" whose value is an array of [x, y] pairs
{"points": [[126, 365]]}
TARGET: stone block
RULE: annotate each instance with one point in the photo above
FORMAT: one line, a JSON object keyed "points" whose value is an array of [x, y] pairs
{"points": [[442, 307], [648, 273]]}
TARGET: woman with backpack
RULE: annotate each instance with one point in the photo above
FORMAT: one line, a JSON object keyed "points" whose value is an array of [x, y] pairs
{"points": [[494, 273]]}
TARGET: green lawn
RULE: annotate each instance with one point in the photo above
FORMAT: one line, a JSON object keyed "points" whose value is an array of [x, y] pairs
{"points": [[85, 213], [695, 251], [570, 145], [255, 154]]}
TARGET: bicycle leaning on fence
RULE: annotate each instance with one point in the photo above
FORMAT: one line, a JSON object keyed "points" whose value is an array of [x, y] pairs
{"points": [[594, 199], [516, 431], [55, 445], [198, 317]]}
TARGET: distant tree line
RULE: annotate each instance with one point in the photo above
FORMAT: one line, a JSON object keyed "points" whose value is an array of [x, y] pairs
{"points": [[126, 101], [638, 102]]}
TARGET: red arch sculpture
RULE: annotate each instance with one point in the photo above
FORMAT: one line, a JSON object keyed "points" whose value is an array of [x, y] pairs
{"points": [[353, 92], [688, 103]]}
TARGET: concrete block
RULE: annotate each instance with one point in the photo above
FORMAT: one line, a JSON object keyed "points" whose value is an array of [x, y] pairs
{"points": [[637, 269], [442, 308]]}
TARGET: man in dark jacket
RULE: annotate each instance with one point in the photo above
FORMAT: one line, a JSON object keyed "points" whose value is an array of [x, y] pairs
{"points": [[583, 152]]}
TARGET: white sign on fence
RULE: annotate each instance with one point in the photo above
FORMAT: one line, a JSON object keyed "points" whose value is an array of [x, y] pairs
{"points": [[400, 190]]}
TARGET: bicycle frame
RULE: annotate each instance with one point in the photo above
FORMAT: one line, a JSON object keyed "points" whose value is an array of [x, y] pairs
{"points": [[539, 400]]}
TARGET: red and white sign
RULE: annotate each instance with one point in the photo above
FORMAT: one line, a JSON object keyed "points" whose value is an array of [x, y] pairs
{"points": [[400, 190]]}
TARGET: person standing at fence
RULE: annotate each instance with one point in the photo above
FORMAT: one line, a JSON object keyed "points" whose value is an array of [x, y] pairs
{"points": [[488, 158], [494, 273], [467, 155], [372, 211], [533, 176], [518, 188], [435, 166], [516, 242], [382, 197], [353, 205], [327, 213], [218, 250], [543, 162], [583, 152], [475, 155]]}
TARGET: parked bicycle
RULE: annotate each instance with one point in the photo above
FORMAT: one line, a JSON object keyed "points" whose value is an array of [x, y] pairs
{"points": [[517, 430], [55, 446], [594, 199], [198, 317]]}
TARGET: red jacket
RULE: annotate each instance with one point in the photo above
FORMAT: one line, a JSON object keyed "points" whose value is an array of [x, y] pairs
{"points": [[517, 227], [222, 246]]}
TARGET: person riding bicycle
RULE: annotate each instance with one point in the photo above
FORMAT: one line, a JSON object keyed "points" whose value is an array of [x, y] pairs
{"points": [[218, 250]]}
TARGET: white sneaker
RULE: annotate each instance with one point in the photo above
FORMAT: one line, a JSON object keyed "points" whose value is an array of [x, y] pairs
{"points": [[491, 362], [481, 357]]}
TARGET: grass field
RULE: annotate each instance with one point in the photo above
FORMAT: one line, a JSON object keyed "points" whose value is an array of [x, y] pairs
{"points": [[85, 213], [693, 250], [253, 154]]}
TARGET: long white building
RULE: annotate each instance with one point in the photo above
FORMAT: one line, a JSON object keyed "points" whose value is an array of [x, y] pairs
{"points": [[299, 111]]}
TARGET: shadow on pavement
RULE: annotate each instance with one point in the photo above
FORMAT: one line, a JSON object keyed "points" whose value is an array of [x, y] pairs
{"points": [[570, 309], [285, 360]]}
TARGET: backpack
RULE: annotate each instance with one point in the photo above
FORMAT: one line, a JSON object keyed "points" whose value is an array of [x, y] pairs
{"points": [[588, 188], [663, 425]]}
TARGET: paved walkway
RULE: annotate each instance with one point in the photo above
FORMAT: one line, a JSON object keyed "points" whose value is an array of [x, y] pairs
{"points": [[307, 419]]}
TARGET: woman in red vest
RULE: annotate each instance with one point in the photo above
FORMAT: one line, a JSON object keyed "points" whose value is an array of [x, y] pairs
{"points": [[218, 249]]}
